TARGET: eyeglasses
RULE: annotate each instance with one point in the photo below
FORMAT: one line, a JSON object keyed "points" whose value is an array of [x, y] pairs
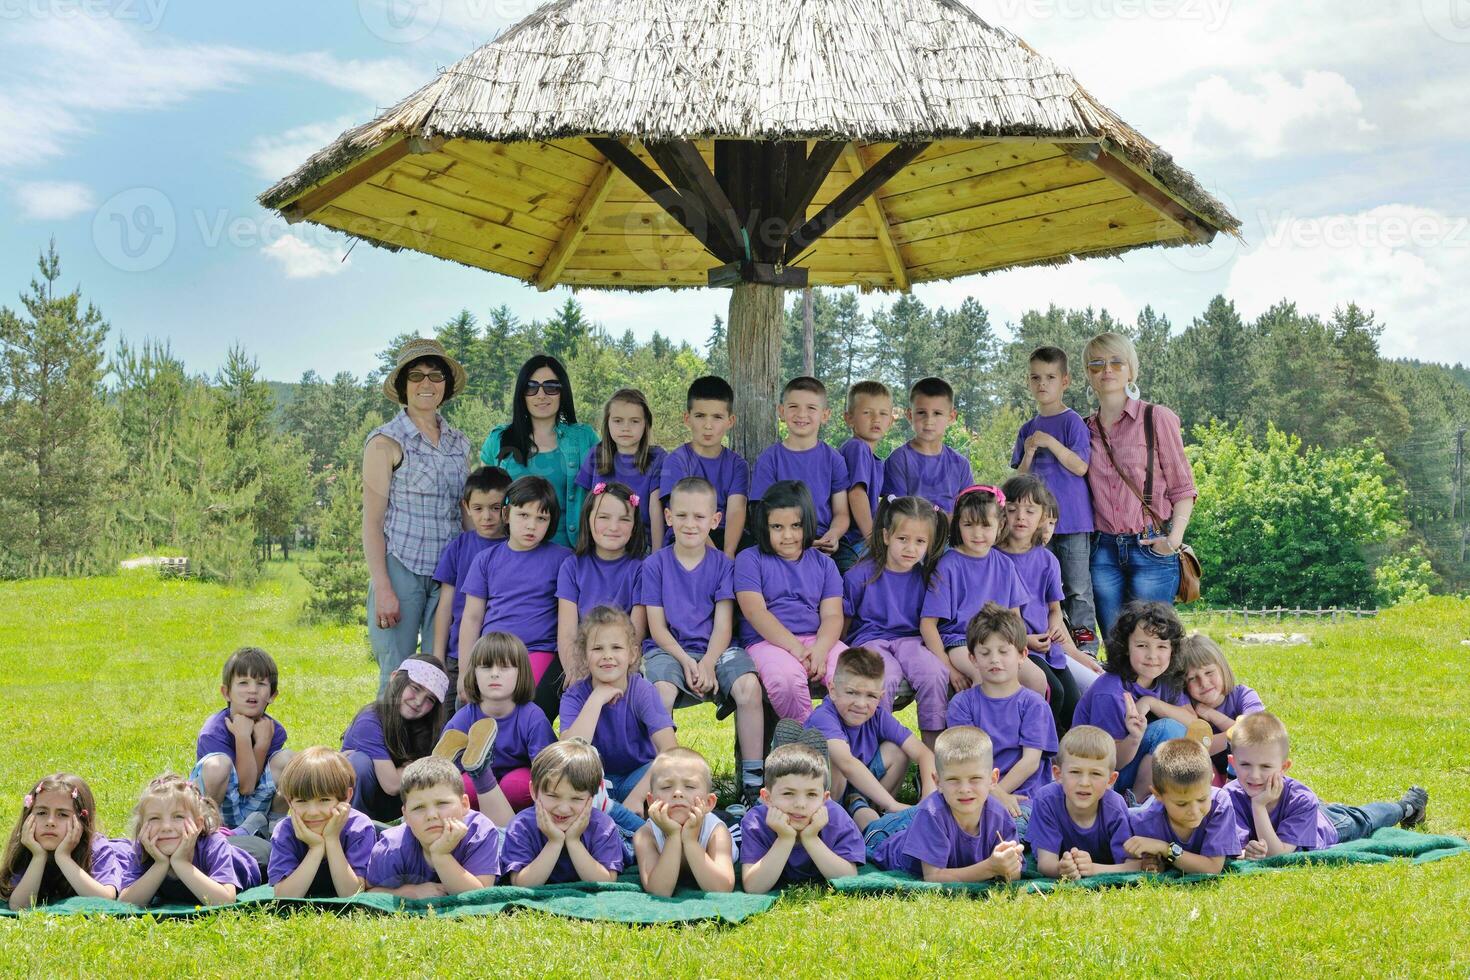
{"points": [[1096, 365], [539, 387], [414, 377]]}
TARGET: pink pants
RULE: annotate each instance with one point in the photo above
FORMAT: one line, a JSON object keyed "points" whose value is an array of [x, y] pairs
{"points": [[540, 660], [516, 785], [786, 682], [906, 658]]}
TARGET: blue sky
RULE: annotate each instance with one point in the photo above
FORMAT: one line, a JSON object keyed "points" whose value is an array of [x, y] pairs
{"points": [[1338, 131]]}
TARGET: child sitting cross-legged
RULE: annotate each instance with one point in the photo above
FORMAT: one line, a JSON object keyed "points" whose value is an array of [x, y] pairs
{"points": [[797, 834], [1280, 815], [683, 840], [240, 750], [1189, 825], [322, 848], [1079, 825], [961, 832], [442, 847], [564, 836]]}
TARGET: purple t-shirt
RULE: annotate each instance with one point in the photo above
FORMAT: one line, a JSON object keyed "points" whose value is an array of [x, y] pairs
{"points": [[287, 850], [1298, 816], [1053, 829], [519, 589], [220, 861], [453, 569], [1020, 721], [938, 479], [936, 838], [625, 470], [1240, 701], [1041, 575], [524, 841], [821, 468], [840, 834], [365, 735], [110, 861], [962, 585], [590, 581], [1102, 703], [862, 740], [793, 590], [518, 736], [863, 470], [885, 609], [398, 858], [1218, 835], [727, 471], [1074, 502], [215, 737], [625, 728], [687, 597]]}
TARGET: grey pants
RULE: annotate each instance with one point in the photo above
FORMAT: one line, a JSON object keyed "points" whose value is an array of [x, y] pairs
{"points": [[1073, 554]]}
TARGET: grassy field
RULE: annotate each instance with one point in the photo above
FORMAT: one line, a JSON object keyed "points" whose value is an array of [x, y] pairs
{"points": [[111, 678]]}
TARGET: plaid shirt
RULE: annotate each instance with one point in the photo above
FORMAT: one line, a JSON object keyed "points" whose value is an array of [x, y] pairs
{"points": [[424, 494]]}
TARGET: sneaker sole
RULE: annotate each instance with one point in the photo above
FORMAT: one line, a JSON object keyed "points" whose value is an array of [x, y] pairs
{"points": [[478, 743]]}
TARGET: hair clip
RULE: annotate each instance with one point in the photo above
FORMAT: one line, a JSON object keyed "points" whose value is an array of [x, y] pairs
{"points": [[74, 794], [891, 498], [633, 499], [598, 489], [29, 800]]}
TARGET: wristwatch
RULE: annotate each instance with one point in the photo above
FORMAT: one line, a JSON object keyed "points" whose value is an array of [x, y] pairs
{"points": [[1174, 851]]}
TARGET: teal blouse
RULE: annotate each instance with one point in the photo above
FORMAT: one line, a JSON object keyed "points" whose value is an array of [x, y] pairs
{"points": [[573, 442]]}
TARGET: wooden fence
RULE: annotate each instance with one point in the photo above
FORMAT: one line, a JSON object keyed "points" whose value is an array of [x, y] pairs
{"points": [[1282, 613]]}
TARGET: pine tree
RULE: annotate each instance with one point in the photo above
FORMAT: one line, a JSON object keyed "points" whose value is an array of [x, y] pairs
{"points": [[566, 331], [338, 572], [717, 349]]}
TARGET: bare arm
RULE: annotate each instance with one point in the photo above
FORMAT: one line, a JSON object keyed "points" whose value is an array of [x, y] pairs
{"points": [[588, 868], [566, 632], [763, 875], [471, 621], [734, 523], [1025, 766], [860, 507], [443, 619], [390, 777], [655, 522], [713, 866], [860, 776], [378, 459], [658, 872]]}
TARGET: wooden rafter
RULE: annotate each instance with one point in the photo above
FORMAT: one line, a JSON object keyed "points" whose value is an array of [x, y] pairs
{"points": [[314, 200], [803, 187], [881, 227], [577, 227], [897, 158], [1118, 171], [687, 172], [688, 214]]}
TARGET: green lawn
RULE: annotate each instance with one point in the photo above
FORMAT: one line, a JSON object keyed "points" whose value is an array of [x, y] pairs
{"points": [[111, 678]]}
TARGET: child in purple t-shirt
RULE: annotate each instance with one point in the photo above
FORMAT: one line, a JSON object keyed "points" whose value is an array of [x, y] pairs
{"points": [[442, 847], [791, 597], [240, 750], [1079, 827], [565, 836], [869, 749], [483, 504], [321, 848], [56, 852], [1214, 693], [797, 834], [869, 415], [397, 728], [709, 415], [179, 855], [959, 833], [625, 455], [683, 840], [804, 458], [924, 466], [1189, 825], [1022, 736]]}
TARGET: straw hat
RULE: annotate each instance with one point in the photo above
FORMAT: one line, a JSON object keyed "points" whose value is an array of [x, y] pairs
{"points": [[412, 351]]}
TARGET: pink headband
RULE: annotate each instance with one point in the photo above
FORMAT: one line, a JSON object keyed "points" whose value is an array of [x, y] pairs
{"points": [[1000, 498], [426, 675], [601, 489]]}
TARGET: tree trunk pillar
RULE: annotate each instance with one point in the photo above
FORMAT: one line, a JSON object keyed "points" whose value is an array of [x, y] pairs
{"points": [[757, 315]]}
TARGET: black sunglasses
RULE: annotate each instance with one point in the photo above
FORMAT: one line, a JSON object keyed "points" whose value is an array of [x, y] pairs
{"points": [[549, 387]]}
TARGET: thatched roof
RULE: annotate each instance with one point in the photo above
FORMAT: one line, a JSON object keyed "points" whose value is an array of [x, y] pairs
{"points": [[874, 72]]}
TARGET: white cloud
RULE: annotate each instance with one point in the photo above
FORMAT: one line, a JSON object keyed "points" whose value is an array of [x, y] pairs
{"points": [[273, 157], [1273, 117], [53, 200], [299, 259]]}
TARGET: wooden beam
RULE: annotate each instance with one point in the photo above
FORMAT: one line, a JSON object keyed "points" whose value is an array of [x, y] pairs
{"points": [[855, 163], [1121, 173], [666, 197], [897, 158], [576, 228], [313, 201], [792, 277], [804, 184], [691, 177]]}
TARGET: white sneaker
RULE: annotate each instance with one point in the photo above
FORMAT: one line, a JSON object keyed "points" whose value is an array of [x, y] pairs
{"points": [[601, 800]]}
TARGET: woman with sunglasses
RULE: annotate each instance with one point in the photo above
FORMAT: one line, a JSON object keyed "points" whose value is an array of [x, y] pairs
{"points": [[544, 438], [1142, 494]]}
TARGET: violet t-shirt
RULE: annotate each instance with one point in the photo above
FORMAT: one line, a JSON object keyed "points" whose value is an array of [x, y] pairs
{"points": [[863, 470], [1052, 828], [453, 569], [686, 596], [590, 581], [625, 728], [1218, 835], [1240, 701], [821, 468], [886, 608], [1102, 703], [288, 851], [938, 479], [936, 838], [727, 471], [110, 861], [524, 841], [1041, 575], [840, 834], [398, 858], [1074, 501], [518, 736], [215, 737], [1297, 817], [962, 585], [220, 861], [625, 471], [793, 590], [365, 735], [519, 589], [862, 740], [1014, 723]]}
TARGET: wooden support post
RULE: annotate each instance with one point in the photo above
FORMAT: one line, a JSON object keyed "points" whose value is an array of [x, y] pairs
{"points": [[688, 214], [757, 313], [1121, 173], [897, 158], [577, 226], [879, 217]]}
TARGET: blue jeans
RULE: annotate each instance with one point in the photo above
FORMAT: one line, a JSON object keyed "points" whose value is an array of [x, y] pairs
{"points": [[886, 826], [618, 789], [1357, 822], [1124, 570], [1074, 554], [848, 554], [1157, 733], [418, 599]]}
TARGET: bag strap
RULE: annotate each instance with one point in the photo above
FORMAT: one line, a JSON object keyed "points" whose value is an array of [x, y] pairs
{"points": [[1148, 472], [1127, 480]]}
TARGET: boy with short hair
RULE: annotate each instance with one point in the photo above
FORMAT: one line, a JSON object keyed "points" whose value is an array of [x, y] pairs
{"points": [[564, 835], [322, 847], [442, 847], [1188, 825], [482, 504], [869, 748], [869, 415], [1054, 444], [803, 456], [797, 833], [241, 750], [710, 414], [960, 833], [683, 838], [924, 466], [1279, 815], [1079, 826]]}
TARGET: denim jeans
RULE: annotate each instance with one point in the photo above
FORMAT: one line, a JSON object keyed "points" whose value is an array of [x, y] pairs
{"points": [[848, 554], [418, 599], [1357, 822], [1157, 733], [1074, 554], [1124, 570]]}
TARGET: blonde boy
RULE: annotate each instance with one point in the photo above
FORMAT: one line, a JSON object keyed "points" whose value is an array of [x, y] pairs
{"points": [[1079, 826], [683, 839], [1188, 825]]}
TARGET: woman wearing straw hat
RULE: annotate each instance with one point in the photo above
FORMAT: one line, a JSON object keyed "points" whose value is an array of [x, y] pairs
{"points": [[413, 472]]}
